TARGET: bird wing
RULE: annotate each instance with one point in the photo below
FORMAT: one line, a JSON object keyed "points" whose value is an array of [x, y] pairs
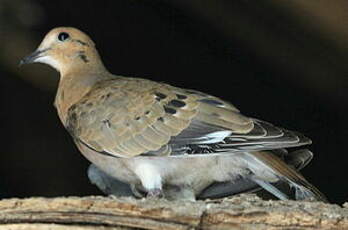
{"points": [[128, 117]]}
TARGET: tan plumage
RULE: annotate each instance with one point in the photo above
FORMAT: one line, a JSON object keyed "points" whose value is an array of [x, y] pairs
{"points": [[140, 116], [153, 135]]}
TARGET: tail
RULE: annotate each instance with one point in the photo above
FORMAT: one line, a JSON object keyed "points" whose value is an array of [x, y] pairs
{"points": [[270, 172]]}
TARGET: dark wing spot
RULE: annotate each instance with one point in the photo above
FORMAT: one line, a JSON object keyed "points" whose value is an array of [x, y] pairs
{"points": [[211, 102], [169, 110], [160, 96], [108, 95], [137, 118], [181, 97], [160, 119], [177, 103], [147, 112], [107, 123]]}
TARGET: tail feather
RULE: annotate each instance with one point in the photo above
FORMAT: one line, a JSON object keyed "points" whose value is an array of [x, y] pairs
{"points": [[282, 189], [271, 188], [268, 169], [299, 158]]}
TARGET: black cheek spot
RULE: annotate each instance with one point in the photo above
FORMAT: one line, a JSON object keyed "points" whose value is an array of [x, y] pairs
{"points": [[137, 118], [177, 103], [169, 110], [84, 58], [81, 42], [147, 112]]}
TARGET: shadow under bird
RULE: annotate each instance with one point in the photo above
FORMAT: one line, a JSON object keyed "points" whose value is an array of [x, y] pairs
{"points": [[153, 139]]}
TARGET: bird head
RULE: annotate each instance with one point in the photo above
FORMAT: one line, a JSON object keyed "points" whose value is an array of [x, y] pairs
{"points": [[66, 49]]}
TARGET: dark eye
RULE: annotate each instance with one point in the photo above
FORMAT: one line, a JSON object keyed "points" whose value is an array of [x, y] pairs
{"points": [[63, 36]]}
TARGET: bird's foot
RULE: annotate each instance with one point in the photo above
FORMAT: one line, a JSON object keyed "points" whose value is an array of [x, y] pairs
{"points": [[136, 191], [155, 193]]}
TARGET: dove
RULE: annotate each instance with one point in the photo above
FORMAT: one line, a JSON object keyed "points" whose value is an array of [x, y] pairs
{"points": [[111, 186], [161, 140]]}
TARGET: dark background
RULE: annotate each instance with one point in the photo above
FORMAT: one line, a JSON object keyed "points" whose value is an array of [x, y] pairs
{"points": [[281, 61]]}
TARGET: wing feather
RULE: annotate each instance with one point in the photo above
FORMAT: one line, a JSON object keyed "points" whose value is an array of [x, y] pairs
{"points": [[128, 117]]}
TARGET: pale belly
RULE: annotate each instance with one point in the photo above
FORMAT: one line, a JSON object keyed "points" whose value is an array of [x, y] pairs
{"points": [[196, 172]]}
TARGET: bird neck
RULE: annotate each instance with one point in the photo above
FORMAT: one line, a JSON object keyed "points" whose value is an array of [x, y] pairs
{"points": [[73, 85], [81, 62]]}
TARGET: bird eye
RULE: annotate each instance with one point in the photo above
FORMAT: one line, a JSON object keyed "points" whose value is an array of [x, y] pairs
{"points": [[63, 36]]}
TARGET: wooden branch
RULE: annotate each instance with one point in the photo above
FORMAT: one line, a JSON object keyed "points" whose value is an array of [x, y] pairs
{"points": [[239, 212]]}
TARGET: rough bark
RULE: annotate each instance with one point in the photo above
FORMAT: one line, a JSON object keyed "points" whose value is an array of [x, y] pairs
{"points": [[239, 212]]}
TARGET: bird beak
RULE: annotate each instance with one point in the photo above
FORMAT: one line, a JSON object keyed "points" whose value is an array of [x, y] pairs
{"points": [[32, 57]]}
